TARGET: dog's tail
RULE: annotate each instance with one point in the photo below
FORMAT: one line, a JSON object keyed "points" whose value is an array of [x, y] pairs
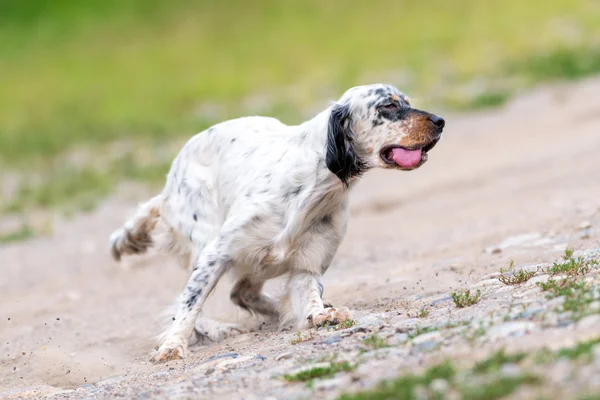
{"points": [[135, 237]]}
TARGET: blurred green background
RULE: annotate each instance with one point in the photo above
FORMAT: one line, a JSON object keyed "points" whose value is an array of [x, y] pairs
{"points": [[97, 92]]}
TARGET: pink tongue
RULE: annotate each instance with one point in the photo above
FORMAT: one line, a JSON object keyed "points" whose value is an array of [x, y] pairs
{"points": [[406, 158]]}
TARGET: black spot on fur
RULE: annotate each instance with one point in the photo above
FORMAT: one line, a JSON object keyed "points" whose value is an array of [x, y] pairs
{"points": [[377, 122], [341, 157], [232, 140], [326, 219], [192, 298], [195, 217]]}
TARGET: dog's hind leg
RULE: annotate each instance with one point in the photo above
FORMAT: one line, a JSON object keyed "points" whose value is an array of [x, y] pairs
{"points": [[250, 296], [135, 236]]}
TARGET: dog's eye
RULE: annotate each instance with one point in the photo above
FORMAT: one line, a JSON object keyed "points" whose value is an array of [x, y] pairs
{"points": [[389, 106]]}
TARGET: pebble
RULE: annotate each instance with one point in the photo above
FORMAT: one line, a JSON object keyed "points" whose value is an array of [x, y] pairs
{"points": [[531, 312], [557, 301], [591, 321], [596, 355], [399, 338], [284, 356], [504, 289], [510, 370], [594, 306], [584, 225], [427, 341], [513, 241], [514, 328], [330, 340], [441, 300], [227, 355], [536, 279], [439, 385], [329, 384]]}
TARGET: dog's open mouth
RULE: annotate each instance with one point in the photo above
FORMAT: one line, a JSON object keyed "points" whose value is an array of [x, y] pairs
{"points": [[406, 158]]}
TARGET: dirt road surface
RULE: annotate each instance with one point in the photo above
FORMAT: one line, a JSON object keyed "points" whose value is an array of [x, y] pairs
{"points": [[74, 324]]}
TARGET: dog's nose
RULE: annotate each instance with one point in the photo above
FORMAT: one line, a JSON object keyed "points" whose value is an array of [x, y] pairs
{"points": [[437, 121]]}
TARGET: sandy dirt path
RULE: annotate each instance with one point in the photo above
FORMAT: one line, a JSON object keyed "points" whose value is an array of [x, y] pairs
{"points": [[70, 317]]}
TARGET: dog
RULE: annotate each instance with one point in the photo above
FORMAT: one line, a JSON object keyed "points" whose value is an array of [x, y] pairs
{"points": [[260, 199]]}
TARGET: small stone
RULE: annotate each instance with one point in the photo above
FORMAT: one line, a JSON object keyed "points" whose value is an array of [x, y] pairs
{"points": [[514, 328], [557, 301], [531, 312], [585, 234], [538, 279], [284, 356], [591, 321], [439, 385], [441, 300], [584, 225], [330, 340], [226, 355], [427, 341], [596, 355], [399, 338], [510, 370]]}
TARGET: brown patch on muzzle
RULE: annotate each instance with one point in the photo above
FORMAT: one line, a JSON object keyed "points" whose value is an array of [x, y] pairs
{"points": [[420, 131]]}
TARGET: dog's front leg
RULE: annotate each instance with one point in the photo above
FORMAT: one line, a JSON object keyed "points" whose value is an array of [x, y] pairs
{"points": [[305, 290], [208, 269]]}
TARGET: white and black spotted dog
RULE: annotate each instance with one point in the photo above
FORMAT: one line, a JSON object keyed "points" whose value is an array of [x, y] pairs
{"points": [[261, 199]]}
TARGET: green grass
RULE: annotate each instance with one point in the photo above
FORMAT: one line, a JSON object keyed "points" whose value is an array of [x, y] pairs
{"points": [[494, 362], [405, 386], [515, 278], [301, 339], [578, 293], [375, 342], [498, 387], [472, 384], [582, 349], [349, 323], [86, 74], [464, 298], [319, 372], [23, 233], [571, 266]]}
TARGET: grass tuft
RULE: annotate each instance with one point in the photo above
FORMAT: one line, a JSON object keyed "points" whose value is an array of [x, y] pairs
{"points": [[465, 299], [349, 323], [582, 349], [494, 362], [23, 233], [300, 339], [405, 386], [578, 294], [515, 278], [319, 372], [374, 341]]}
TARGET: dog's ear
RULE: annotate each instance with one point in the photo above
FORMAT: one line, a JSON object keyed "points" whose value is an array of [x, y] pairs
{"points": [[341, 156]]}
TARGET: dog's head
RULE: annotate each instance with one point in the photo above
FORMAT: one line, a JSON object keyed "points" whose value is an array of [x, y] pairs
{"points": [[375, 126]]}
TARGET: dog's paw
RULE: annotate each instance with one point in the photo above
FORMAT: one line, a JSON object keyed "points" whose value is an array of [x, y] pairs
{"points": [[331, 316], [168, 352]]}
